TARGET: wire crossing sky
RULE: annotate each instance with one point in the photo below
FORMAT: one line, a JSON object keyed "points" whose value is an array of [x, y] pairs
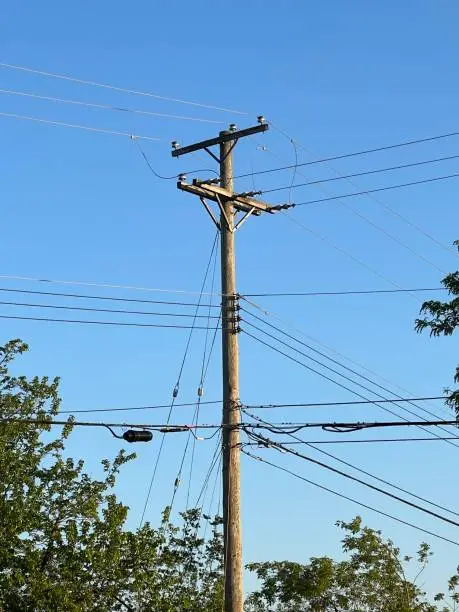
{"points": [[103, 256]]}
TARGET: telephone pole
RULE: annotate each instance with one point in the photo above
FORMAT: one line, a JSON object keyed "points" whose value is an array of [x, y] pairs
{"points": [[221, 191]]}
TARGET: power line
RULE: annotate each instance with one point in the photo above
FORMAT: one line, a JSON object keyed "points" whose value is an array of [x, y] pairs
{"points": [[354, 467], [393, 401], [113, 323], [421, 424], [341, 355], [335, 361], [175, 303], [360, 481], [340, 250], [363, 505], [353, 292], [329, 426], [103, 297], [352, 154], [363, 173], [77, 126], [115, 88], [99, 284], [388, 188], [167, 178], [109, 310], [106, 106], [157, 407], [396, 213], [353, 403], [175, 391], [203, 375], [375, 225], [376, 440]]}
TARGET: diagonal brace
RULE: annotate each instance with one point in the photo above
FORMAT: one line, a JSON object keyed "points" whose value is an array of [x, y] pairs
{"points": [[211, 213]]}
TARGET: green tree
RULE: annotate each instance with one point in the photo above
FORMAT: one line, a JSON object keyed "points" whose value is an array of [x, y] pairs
{"points": [[373, 578], [63, 542], [442, 319]]}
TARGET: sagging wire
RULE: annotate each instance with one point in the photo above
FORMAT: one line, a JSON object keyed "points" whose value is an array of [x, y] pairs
{"points": [[175, 391]]}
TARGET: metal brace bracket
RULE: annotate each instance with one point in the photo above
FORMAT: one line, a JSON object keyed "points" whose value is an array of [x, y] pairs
{"points": [[222, 210], [233, 144], [211, 213], [243, 219], [217, 159]]}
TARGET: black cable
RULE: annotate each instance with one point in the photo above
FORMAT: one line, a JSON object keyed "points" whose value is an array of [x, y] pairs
{"points": [[388, 188], [381, 512], [217, 473], [295, 150], [174, 176], [360, 481], [115, 323], [362, 471], [318, 293], [289, 443], [103, 297], [157, 407], [203, 375], [177, 384], [357, 174], [336, 362], [215, 457], [111, 310], [338, 373], [353, 154], [353, 403], [330, 426]]}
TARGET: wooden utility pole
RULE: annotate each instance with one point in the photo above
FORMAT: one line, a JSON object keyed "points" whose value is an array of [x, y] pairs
{"points": [[229, 204], [231, 411]]}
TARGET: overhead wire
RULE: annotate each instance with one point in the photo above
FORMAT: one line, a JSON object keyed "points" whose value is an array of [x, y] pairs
{"points": [[102, 297], [351, 403], [282, 427], [386, 188], [335, 352], [337, 293], [351, 154], [110, 107], [111, 323], [77, 126], [375, 488], [369, 441], [378, 227], [203, 374], [177, 384], [392, 210], [326, 377], [154, 407], [172, 177], [336, 362], [115, 88], [99, 284], [359, 174], [348, 498], [106, 310], [342, 250], [354, 467]]}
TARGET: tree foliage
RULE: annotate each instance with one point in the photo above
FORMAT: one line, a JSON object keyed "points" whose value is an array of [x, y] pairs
{"points": [[63, 542], [64, 545], [442, 319], [373, 578]]}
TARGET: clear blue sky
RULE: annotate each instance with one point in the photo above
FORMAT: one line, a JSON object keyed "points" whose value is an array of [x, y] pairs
{"points": [[335, 76]]}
